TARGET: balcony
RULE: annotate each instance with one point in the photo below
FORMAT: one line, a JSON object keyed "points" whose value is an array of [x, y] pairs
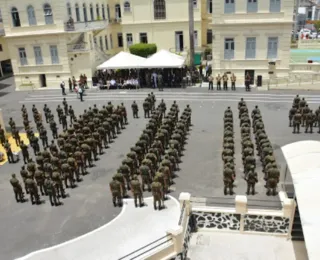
{"points": [[78, 47], [71, 26]]}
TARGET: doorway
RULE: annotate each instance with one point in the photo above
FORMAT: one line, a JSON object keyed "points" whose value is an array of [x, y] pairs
{"points": [[43, 80], [179, 41], [251, 73]]}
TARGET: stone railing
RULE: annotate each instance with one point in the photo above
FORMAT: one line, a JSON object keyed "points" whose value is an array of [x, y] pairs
{"points": [[242, 219], [86, 26], [309, 44]]}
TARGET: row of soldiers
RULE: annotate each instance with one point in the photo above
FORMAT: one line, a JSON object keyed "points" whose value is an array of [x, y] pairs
{"points": [[265, 152], [300, 114], [61, 165], [146, 158], [228, 152], [247, 147]]}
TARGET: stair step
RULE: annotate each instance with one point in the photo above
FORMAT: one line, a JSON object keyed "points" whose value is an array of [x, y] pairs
{"points": [[297, 238]]}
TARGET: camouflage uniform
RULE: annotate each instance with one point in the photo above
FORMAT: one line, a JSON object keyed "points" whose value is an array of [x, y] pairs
{"points": [[136, 191]]}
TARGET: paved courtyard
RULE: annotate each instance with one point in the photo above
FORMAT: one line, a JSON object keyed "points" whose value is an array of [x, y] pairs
{"points": [[26, 228]]}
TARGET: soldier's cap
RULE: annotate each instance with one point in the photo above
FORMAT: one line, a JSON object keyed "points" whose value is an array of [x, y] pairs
{"points": [[135, 177], [156, 178], [13, 175]]}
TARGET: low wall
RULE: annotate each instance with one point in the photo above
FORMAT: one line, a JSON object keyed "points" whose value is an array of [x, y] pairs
{"points": [[309, 44], [240, 219]]}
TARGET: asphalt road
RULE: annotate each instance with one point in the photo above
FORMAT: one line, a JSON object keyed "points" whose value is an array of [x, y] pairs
{"points": [[26, 228]]}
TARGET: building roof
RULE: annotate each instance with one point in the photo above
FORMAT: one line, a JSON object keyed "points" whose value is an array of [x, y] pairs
{"points": [[303, 160]]}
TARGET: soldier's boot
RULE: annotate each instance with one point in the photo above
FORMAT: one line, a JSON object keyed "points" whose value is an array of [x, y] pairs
{"points": [[231, 189], [306, 129], [114, 201], [290, 122], [298, 128], [311, 128], [140, 201], [62, 191], [274, 191], [51, 200], [248, 190], [42, 190], [225, 190], [268, 191], [253, 190], [154, 204], [135, 201]]}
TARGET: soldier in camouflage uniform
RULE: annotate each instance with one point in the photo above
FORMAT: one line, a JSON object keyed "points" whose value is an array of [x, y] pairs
{"points": [[51, 190], [157, 193], [228, 179], [39, 177], [136, 191], [251, 179], [33, 190], [116, 190], [17, 188]]}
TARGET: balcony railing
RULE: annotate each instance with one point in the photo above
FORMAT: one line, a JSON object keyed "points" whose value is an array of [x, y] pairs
{"points": [[78, 47], [85, 26]]}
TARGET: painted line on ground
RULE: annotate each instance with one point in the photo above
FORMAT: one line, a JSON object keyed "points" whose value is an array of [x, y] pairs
{"points": [[167, 99], [178, 93]]}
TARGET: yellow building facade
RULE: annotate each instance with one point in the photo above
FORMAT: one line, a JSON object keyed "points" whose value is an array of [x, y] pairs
{"points": [[49, 42], [165, 23], [252, 36]]}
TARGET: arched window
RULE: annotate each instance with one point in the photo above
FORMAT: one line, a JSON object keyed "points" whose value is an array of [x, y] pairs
{"points": [[85, 16], [15, 17], [103, 12], [126, 7], [118, 11], [69, 10], [48, 16], [159, 8], [98, 11], [77, 13], [91, 13], [31, 15], [108, 12]]}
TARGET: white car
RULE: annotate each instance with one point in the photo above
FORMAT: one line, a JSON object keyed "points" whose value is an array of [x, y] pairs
{"points": [[304, 32]]}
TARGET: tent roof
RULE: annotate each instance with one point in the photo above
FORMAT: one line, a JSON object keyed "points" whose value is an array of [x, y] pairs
{"points": [[303, 160], [164, 59], [123, 60]]}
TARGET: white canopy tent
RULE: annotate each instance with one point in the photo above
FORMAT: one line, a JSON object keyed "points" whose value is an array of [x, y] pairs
{"points": [[123, 60], [164, 59], [303, 161]]}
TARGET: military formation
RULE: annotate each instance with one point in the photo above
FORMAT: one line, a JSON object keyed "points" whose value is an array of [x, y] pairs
{"points": [[62, 163], [151, 163], [263, 147], [228, 153], [265, 152], [300, 114]]}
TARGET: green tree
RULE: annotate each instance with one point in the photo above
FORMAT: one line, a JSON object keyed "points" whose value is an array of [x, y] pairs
{"points": [[317, 25], [143, 49]]}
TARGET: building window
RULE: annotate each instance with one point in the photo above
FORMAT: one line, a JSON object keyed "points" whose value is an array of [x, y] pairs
{"points": [[195, 3], [229, 49], [209, 6], [15, 17], [98, 12], [69, 10], [111, 42], [23, 56], [1, 47], [229, 6], [143, 38], [275, 6], [126, 7], [120, 40], [118, 11], [38, 55], [209, 36], [54, 54], [95, 41], [251, 48], [103, 12], [159, 9], [129, 39], [195, 38], [48, 16], [77, 13], [309, 17], [108, 12], [272, 47], [85, 16], [252, 6], [91, 13], [106, 42], [101, 43], [31, 15]]}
